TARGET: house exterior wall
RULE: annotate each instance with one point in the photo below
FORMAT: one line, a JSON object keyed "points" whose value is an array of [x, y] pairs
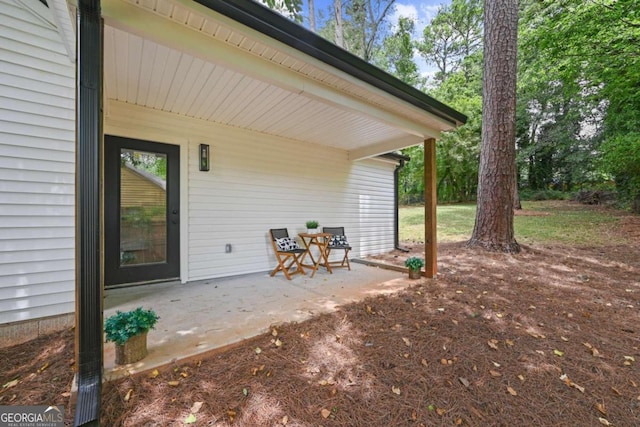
{"points": [[139, 191], [258, 182], [37, 172]]}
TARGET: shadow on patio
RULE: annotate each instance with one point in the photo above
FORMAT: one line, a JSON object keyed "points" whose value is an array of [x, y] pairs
{"points": [[210, 314]]}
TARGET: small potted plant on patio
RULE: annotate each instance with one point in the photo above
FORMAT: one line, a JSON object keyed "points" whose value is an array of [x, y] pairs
{"points": [[128, 330], [414, 264], [312, 226]]}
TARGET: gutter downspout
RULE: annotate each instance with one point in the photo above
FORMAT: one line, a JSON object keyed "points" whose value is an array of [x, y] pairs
{"points": [[89, 68], [396, 203], [401, 159]]}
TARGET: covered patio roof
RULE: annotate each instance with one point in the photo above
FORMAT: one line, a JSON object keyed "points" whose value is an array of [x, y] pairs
{"points": [[240, 64]]}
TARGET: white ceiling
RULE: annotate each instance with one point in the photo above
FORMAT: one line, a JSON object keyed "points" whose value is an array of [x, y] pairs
{"points": [[144, 73], [192, 62]]}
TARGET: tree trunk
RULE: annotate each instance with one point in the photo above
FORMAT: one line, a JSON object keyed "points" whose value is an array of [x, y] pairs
{"points": [[493, 228], [337, 8], [312, 16], [516, 196]]}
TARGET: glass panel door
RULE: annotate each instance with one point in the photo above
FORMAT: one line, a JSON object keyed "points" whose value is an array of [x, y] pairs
{"points": [[142, 202]]}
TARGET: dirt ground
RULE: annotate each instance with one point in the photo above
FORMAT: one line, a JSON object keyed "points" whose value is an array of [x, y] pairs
{"points": [[547, 337]]}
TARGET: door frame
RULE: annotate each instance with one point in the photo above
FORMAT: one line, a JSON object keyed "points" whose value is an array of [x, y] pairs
{"points": [[114, 274]]}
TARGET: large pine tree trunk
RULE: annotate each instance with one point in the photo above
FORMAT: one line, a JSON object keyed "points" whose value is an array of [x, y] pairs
{"points": [[493, 228], [517, 206]]}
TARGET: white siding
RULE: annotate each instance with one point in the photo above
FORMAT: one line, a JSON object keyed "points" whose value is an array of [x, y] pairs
{"points": [[37, 134], [258, 182]]}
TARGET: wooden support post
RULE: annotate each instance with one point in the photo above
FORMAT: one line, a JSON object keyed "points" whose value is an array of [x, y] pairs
{"points": [[430, 202]]}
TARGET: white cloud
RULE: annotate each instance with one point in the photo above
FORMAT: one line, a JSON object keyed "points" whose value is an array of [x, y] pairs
{"points": [[427, 12], [405, 10]]}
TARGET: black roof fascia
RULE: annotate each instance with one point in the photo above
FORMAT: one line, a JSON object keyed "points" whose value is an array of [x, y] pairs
{"points": [[276, 26], [395, 156]]}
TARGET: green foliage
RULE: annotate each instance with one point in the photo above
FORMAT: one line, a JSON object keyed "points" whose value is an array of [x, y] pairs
{"points": [[454, 34], [396, 54], [312, 224], [458, 151], [530, 194], [414, 263], [155, 164], [452, 41], [579, 74], [621, 158], [290, 8], [124, 325]]}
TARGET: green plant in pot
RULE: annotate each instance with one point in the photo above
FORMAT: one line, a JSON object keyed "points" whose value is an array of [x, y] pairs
{"points": [[414, 264], [128, 330], [312, 226]]}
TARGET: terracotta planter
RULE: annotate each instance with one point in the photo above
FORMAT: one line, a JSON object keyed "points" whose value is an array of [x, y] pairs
{"points": [[415, 274], [133, 350]]}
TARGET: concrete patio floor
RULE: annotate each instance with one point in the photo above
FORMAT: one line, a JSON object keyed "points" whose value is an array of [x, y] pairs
{"points": [[205, 315]]}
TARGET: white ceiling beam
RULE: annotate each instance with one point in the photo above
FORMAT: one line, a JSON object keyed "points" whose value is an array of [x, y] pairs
{"points": [[384, 147]]}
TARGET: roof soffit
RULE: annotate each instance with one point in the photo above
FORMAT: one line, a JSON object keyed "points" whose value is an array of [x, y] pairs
{"points": [[306, 74]]}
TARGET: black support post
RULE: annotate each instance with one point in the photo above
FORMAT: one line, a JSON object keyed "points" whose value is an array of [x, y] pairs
{"points": [[88, 165]]}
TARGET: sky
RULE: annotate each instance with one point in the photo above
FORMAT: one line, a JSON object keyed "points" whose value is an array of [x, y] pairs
{"points": [[421, 10]]}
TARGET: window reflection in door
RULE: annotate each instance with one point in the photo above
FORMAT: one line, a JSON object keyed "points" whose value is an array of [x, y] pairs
{"points": [[143, 207]]}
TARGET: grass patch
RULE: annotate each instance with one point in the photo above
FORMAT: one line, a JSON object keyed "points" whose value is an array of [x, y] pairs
{"points": [[543, 222], [454, 222]]}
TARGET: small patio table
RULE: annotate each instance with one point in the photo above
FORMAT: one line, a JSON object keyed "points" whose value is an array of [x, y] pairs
{"points": [[321, 241]]}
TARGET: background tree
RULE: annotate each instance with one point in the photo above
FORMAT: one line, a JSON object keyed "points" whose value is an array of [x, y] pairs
{"points": [[396, 54], [454, 34], [493, 229], [358, 26], [292, 9], [366, 25], [457, 151], [586, 53]]}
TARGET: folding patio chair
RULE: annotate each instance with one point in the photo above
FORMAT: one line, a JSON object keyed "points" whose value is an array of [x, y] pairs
{"points": [[338, 242], [287, 252]]}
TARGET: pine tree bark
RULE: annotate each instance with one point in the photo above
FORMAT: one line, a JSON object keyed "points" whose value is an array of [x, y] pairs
{"points": [[493, 229]]}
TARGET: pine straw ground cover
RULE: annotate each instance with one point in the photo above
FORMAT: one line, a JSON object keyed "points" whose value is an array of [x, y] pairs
{"points": [[548, 337]]}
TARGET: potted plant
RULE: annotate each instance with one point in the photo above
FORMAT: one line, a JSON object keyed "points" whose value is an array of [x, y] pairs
{"points": [[128, 330], [414, 264], [312, 226]]}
